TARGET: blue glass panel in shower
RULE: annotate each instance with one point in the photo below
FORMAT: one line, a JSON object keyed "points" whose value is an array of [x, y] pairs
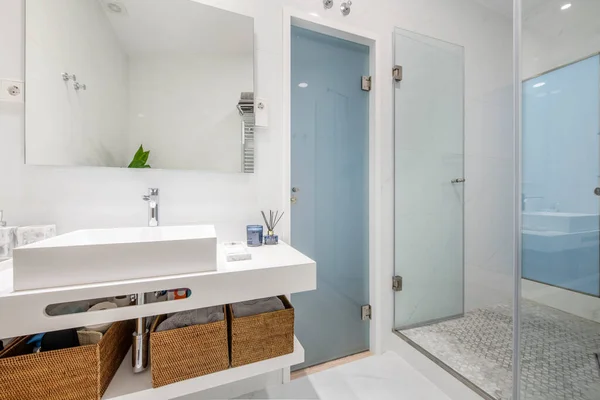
{"points": [[560, 171]]}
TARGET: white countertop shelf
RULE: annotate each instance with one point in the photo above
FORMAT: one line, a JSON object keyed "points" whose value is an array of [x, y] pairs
{"points": [[129, 386], [273, 270]]}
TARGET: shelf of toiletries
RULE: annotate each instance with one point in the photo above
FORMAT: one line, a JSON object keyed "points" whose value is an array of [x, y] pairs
{"points": [[271, 271], [129, 386]]}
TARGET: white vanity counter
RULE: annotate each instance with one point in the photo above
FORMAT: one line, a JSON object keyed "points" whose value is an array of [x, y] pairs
{"points": [[273, 270]]}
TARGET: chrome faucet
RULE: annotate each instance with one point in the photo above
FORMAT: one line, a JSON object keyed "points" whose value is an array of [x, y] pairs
{"points": [[525, 199], [152, 199]]}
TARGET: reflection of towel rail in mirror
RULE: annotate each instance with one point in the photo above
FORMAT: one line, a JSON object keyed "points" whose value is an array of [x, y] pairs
{"points": [[247, 112]]}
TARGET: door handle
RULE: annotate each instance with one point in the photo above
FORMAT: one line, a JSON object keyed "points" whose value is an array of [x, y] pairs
{"points": [[597, 191], [458, 180]]}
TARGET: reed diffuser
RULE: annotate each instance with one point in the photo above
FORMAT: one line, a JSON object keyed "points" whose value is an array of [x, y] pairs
{"points": [[274, 218]]}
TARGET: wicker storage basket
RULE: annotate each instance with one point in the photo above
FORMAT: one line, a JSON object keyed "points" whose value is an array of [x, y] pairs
{"points": [[260, 337], [77, 373], [186, 353]]}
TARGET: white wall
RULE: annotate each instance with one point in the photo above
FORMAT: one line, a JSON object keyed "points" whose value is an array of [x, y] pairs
{"points": [[183, 109], [65, 126], [86, 197]]}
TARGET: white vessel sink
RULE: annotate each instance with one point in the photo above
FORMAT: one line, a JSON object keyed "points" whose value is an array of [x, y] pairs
{"points": [[106, 255], [560, 222]]}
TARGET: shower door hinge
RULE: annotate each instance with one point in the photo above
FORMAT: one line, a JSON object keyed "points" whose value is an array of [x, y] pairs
{"points": [[366, 83], [365, 312], [397, 73], [397, 284]]}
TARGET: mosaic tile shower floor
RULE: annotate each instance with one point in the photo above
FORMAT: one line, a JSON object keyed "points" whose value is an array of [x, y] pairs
{"points": [[558, 361]]}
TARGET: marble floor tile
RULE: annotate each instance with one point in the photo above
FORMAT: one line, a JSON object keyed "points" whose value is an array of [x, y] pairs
{"points": [[557, 357], [385, 377]]}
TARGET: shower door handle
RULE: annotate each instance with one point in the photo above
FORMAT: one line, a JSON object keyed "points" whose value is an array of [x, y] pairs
{"points": [[458, 180], [597, 191]]}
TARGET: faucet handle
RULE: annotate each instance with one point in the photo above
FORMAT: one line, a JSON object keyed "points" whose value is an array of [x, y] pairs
{"points": [[146, 197]]}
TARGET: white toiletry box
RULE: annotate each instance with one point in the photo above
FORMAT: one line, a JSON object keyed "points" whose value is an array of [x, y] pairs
{"points": [[107, 255]]}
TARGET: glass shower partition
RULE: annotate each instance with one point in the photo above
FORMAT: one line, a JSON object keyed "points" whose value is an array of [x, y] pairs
{"points": [[560, 175], [429, 180]]}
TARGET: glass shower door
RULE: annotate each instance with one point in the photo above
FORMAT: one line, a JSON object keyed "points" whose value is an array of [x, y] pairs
{"points": [[429, 179]]}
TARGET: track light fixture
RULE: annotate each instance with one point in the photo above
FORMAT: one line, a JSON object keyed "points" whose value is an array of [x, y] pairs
{"points": [[345, 7]]}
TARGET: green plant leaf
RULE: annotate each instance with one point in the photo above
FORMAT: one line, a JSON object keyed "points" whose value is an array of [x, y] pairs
{"points": [[139, 152], [140, 158]]}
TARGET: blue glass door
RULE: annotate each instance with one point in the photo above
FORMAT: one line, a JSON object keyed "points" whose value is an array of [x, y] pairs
{"points": [[330, 171]]}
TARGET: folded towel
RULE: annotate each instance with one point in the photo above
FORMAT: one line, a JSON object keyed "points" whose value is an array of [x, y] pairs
{"points": [[259, 306], [89, 337], [7, 241], [31, 234], [192, 317]]}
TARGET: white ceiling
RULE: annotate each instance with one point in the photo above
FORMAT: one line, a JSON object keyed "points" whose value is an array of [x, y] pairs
{"points": [[545, 19], [180, 26], [532, 8], [551, 36], [578, 23]]}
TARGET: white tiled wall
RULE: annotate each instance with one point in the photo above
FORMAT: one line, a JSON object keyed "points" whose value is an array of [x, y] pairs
{"points": [[200, 113], [75, 198]]}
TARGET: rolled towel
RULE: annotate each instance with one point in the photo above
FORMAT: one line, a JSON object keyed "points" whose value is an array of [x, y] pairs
{"points": [[259, 306], [192, 317]]}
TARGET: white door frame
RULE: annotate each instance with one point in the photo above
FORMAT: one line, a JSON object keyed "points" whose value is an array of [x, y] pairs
{"points": [[329, 27]]}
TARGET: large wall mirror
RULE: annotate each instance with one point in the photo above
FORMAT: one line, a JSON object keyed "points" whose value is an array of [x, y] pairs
{"points": [[165, 84]]}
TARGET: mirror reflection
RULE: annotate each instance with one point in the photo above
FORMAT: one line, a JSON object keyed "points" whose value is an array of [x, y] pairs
{"points": [[165, 84]]}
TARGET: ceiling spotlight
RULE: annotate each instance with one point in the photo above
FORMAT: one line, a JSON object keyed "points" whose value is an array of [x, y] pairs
{"points": [[327, 4], [345, 7], [566, 6]]}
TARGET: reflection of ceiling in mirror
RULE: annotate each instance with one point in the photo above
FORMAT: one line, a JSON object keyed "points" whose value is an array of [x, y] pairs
{"points": [[179, 26]]}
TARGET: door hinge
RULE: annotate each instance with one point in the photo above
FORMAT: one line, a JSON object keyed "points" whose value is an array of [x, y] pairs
{"points": [[397, 73], [366, 83], [397, 284], [365, 312]]}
